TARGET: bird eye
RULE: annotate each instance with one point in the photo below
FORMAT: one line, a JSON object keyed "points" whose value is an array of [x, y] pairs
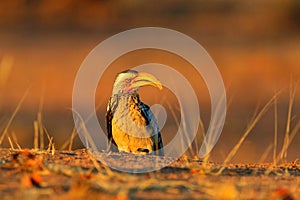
{"points": [[127, 80]]}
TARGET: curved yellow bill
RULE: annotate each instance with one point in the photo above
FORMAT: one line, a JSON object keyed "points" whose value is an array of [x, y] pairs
{"points": [[144, 79]]}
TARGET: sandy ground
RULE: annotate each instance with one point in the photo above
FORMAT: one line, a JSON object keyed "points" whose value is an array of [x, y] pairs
{"points": [[29, 174]]}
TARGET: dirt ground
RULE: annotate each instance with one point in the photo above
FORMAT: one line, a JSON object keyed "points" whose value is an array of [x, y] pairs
{"points": [[30, 174]]}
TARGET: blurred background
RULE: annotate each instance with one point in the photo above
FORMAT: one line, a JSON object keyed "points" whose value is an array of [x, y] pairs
{"points": [[255, 44]]}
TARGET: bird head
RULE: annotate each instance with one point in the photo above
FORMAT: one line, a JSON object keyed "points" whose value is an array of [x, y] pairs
{"points": [[129, 81]]}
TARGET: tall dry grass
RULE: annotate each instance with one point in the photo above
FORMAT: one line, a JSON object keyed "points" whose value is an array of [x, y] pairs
{"points": [[41, 136], [5, 131], [253, 122], [292, 94]]}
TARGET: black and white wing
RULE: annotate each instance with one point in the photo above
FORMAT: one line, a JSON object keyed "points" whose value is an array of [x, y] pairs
{"points": [[150, 120], [112, 146]]}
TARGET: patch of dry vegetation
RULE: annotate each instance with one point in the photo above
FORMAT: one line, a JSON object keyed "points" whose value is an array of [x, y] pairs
{"points": [[76, 174], [45, 172]]}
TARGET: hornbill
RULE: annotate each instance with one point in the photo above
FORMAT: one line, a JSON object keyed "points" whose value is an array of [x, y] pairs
{"points": [[131, 126]]}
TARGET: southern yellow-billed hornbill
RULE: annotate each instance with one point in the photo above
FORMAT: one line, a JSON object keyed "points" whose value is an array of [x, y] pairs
{"points": [[131, 125]]}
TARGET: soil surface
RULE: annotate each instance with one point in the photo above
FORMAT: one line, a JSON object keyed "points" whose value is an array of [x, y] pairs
{"points": [[31, 174]]}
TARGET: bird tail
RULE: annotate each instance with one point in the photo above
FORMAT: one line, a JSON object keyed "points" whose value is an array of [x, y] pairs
{"points": [[158, 148]]}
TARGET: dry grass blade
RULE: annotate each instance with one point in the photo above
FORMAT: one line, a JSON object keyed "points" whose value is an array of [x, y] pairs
{"points": [[36, 135], [65, 144], [216, 124], [283, 154], [89, 143], [69, 142], [13, 116], [186, 138], [15, 140], [177, 122], [72, 139], [39, 120], [10, 143], [53, 149], [41, 130], [249, 129], [50, 144], [38, 139], [275, 131], [82, 127], [291, 137], [50, 140], [199, 136], [265, 154]]}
